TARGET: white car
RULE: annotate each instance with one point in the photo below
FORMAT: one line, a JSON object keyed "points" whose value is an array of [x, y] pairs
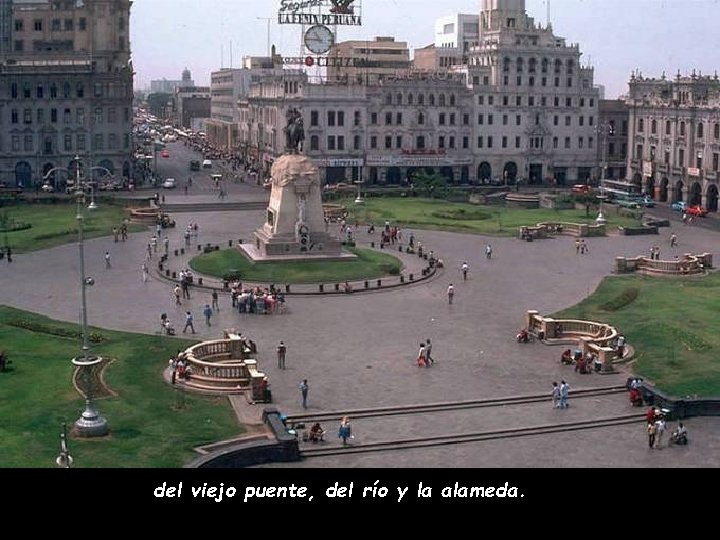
{"points": [[207, 164], [47, 188], [169, 183]]}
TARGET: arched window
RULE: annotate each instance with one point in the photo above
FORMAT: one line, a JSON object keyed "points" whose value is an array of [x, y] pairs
{"points": [[452, 100], [641, 125], [410, 99], [532, 65], [388, 99], [66, 90], [570, 66], [519, 65], [398, 99], [653, 126], [421, 99], [53, 91], [506, 64], [558, 65], [441, 100], [716, 131], [80, 90], [544, 64], [668, 127], [682, 129], [700, 130], [314, 142], [431, 100]]}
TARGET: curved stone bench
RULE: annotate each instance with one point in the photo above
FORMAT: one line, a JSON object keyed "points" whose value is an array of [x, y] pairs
{"points": [[688, 265], [542, 230]]}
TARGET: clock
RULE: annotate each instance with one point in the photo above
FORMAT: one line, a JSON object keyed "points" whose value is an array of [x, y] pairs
{"points": [[319, 38]]}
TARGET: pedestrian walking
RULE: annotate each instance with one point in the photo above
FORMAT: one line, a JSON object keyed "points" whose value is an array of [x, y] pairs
{"points": [[488, 252], [304, 391], [450, 293], [166, 244], [215, 304], [428, 352], [149, 250], [115, 233], [188, 322], [564, 395], [281, 350], [345, 431], [208, 313], [144, 269], [673, 240], [464, 269], [107, 260], [660, 427], [177, 292], [8, 254], [556, 395], [163, 322], [421, 360], [651, 434]]}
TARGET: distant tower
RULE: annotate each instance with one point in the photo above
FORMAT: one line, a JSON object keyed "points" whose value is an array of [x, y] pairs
{"points": [[497, 14], [6, 19], [186, 79]]}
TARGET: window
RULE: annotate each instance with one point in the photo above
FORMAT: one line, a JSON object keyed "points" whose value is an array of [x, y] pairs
{"points": [[27, 116], [505, 100], [357, 118], [410, 99], [15, 142], [53, 91], [480, 142], [518, 101], [80, 116], [641, 125], [582, 102], [421, 99], [591, 142], [398, 99], [486, 80], [700, 130], [98, 89], [639, 151], [543, 81], [568, 120], [388, 118], [81, 142], [568, 102], [388, 141], [452, 100], [388, 99], [592, 102], [314, 118], [504, 141], [581, 121], [356, 142], [421, 119], [14, 116], [331, 142], [38, 25], [373, 141], [398, 141], [518, 80], [716, 131], [556, 101], [567, 143], [98, 115], [41, 116], [489, 142], [531, 101], [556, 119], [555, 142], [681, 157], [80, 91], [441, 119], [441, 141], [331, 118], [716, 160], [591, 120], [581, 142], [19, 24], [14, 90], [314, 142], [112, 141], [465, 142], [66, 90], [653, 126], [466, 119], [420, 142], [505, 80], [69, 25], [441, 100], [53, 116], [611, 149], [28, 143], [18, 46], [373, 118], [56, 25], [341, 142], [543, 101], [67, 146], [504, 119], [517, 142], [490, 119], [557, 82], [481, 119], [341, 118], [431, 100], [569, 82], [99, 142], [491, 100], [398, 118]]}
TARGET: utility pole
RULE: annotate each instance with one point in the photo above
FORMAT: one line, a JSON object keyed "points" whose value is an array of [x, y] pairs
{"points": [[268, 19]]}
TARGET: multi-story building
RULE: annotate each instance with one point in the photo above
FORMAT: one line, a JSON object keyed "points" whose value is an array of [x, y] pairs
{"points": [[454, 37], [674, 137], [192, 106], [66, 89], [166, 86], [613, 138], [367, 62], [535, 106]]}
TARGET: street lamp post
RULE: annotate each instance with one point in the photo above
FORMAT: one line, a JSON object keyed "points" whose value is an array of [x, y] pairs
{"points": [[600, 219], [64, 460], [90, 423], [359, 199]]}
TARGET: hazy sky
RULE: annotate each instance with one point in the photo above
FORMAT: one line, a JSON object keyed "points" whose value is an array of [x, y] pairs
{"points": [[615, 36]]}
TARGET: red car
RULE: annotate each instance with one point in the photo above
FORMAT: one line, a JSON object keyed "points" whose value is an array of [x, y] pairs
{"points": [[697, 211], [165, 153], [580, 189]]}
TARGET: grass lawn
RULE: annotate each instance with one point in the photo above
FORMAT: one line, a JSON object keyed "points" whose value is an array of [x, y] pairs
{"points": [[369, 265], [147, 427], [463, 217], [672, 323], [53, 225]]}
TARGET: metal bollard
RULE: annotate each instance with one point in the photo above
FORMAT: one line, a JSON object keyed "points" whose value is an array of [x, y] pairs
{"points": [[412, 277], [379, 282], [337, 286], [402, 278], [367, 285], [321, 287], [200, 281], [287, 289], [229, 243]]}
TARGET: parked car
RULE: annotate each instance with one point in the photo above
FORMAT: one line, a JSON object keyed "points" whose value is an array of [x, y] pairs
{"points": [[169, 183], [165, 154], [195, 165], [679, 206], [628, 203], [694, 210], [645, 201], [207, 164], [580, 189]]}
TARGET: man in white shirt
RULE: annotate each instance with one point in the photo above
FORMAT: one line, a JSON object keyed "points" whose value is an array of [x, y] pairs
{"points": [[464, 269], [450, 293]]}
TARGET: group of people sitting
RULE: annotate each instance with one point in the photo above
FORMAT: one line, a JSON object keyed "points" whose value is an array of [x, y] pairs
{"points": [[584, 364], [180, 368], [257, 300]]}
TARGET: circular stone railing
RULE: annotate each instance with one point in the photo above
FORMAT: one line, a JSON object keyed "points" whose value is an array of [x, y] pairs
{"points": [[144, 215], [542, 230], [222, 366], [687, 265]]}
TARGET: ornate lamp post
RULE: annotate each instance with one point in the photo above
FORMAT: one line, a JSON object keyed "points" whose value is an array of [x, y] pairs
{"points": [[90, 423], [359, 199], [600, 219], [64, 460]]}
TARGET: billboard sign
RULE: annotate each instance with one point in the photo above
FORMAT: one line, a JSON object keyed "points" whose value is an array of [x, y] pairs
{"points": [[323, 12]]}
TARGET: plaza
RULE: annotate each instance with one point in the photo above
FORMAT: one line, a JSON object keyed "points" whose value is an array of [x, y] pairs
{"points": [[358, 351]]}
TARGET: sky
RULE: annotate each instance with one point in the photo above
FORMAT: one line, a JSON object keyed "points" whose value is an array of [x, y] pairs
{"points": [[615, 36]]}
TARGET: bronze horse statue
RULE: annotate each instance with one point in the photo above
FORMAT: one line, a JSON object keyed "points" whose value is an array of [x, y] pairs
{"points": [[295, 132]]}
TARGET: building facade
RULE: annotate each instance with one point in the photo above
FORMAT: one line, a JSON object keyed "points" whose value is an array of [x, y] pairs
{"points": [[66, 89], [192, 106], [535, 105], [380, 58], [674, 138], [613, 136]]}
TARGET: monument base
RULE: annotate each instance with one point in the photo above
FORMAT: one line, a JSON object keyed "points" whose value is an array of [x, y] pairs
{"points": [[259, 256]]}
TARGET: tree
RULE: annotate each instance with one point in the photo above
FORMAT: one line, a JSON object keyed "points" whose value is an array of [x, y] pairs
{"points": [[433, 184], [157, 103]]}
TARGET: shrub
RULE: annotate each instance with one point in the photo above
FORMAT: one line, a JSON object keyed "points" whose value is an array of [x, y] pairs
{"points": [[33, 326], [625, 298], [231, 275]]}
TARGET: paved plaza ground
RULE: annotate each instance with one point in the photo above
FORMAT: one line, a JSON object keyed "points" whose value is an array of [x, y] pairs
{"points": [[358, 351]]}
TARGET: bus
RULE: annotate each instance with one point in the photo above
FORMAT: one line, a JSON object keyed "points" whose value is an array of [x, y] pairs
{"points": [[619, 190]]}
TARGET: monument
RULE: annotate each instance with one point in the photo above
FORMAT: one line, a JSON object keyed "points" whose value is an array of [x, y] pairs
{"points": [[294, 228]]}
